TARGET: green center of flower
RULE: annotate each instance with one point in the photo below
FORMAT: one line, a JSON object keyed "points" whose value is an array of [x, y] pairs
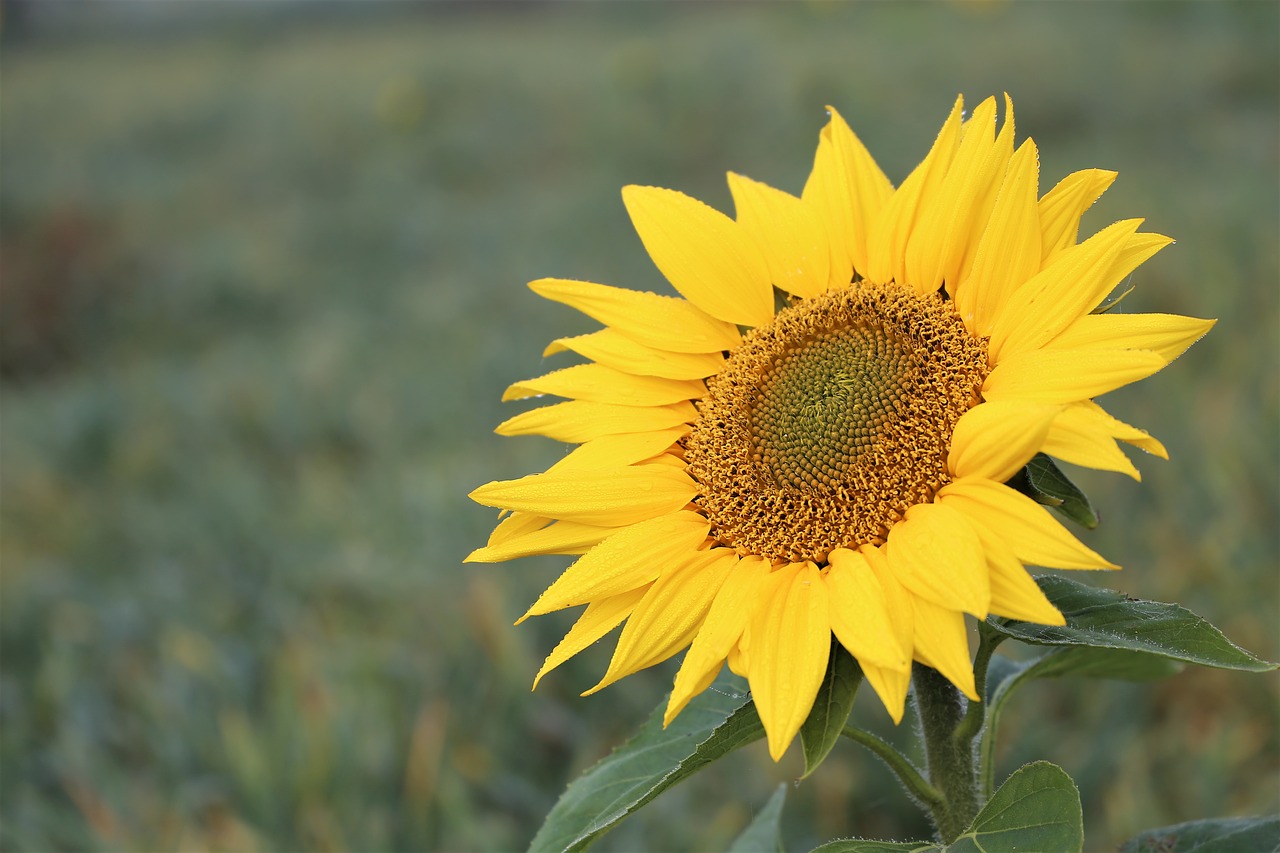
{"points": [[824, 403], [827, 424]]}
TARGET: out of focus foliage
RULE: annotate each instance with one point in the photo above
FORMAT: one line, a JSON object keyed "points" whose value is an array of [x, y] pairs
{"points": [[262, 286]]}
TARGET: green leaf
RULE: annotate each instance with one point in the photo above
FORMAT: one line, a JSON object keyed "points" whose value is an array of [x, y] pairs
{"points": [[714, 724], [862, 845], [1223, 835], [1037, 808], [831, 707], [1043, 481], [763, 834], [1102, 618]]}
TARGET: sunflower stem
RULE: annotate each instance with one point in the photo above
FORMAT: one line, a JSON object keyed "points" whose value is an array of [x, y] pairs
{"points": [[950, 760], [976, 713], [911, 778]]}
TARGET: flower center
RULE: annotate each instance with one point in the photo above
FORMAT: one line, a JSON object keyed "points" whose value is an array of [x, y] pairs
{"points": [[827, 424]]}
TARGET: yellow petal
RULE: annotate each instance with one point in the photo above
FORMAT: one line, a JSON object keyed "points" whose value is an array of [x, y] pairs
{"points": [[614, 349], [562, 537], [1027, 527], [1062, 207], [599, 384], [892, 229], [947, 230], [859, 191], [995, 439], [607, 497], [516, 524], [1014, 593], [1069, 288], [790, 646], [891, 686], [1009, 250], [794, 242], [1168, 335], [897, 600], [1067, 375], [631, 557], [705, 255], [734, 606], [669, 615], [578, 420], [598, 619], [1078, 437], [858, 614], [943, 643], [1122, 431], [936, 555], [618, 451], [662, 322]]}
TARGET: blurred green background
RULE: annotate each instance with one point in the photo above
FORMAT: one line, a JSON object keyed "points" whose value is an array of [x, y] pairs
{"points": [[263, 285]]}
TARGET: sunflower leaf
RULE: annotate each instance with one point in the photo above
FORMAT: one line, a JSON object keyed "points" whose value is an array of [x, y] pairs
{"points": [[1105, 619], [1037, 808], [714, 724], [1045, 483], [1222, 835], [831, 707], [863, 845], [764, 833]]}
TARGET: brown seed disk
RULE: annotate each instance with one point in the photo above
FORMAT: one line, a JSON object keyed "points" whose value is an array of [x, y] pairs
{"points": [[827, 424]]}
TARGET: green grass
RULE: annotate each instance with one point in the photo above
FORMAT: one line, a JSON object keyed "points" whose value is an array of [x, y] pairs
{"points": [[263, 286]]}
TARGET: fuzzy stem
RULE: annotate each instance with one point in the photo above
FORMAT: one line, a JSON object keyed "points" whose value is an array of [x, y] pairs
{"points": [[950, 759], [907, 774]]}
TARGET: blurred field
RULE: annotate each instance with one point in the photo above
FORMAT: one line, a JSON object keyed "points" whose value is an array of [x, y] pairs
{"points": [[263, 274]]}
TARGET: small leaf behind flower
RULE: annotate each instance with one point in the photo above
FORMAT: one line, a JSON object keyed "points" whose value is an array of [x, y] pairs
{"points": [[831, 707], [862, 845], [1045, 483], [1037, 808], [714, 724], [764, 833], [1104, 619], [1224, 835]]}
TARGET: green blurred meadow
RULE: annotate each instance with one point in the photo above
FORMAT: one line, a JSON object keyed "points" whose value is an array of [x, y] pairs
{"points": [[263, 286]]}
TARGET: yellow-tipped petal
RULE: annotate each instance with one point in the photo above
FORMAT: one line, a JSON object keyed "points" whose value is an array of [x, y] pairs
{"points": [[669, 615], [943, 643], [1167, 335], [662, 322], [734, 606], [1009, 250], [936, 555], [1122, 431], [1079, 437], [1014, 593], [614, 349], [608, 497], [790, 645], [516, 524], [599, 384], [618, 451], [1067, 375], [891, 685], [561, 537], [1061, 208], [949, 227], [858, 613], [892, 230], [631, 557], [600, 617], [578, 421], [1027, 527], [793, 238], [859, 192], [995, 439], [705, 255], [1071, 287]]}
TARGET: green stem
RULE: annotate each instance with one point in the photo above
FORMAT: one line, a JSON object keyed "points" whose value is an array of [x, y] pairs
{"points": [[975, 714], [951, 761], [907, 774]]}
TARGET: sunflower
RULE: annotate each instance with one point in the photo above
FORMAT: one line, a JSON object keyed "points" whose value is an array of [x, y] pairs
{"points": [[815, 440]]}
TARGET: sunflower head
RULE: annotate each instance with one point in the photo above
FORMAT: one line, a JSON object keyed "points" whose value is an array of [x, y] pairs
{"points": [[756, 475]]}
